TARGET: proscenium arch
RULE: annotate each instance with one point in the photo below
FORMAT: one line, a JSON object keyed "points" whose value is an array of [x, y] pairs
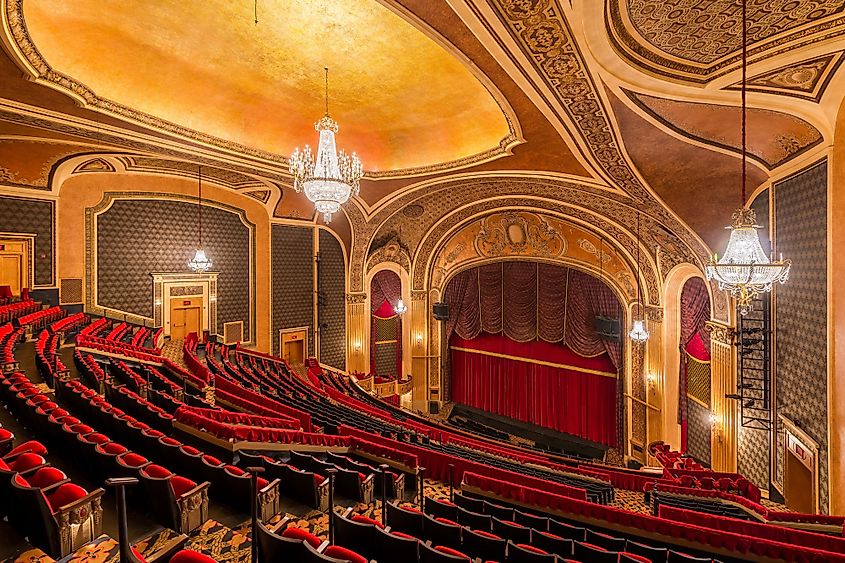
{"points": [[673, 286], [611, 242]]}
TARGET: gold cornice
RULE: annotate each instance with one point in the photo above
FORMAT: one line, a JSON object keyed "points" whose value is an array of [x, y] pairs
{"points": [[720, 333]]}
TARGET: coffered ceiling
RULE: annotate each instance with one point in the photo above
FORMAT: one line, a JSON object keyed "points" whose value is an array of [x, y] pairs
{"points": [[604, 110]]}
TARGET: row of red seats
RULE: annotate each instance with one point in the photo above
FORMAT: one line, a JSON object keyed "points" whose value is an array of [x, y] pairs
{"points": [[118, 332], [42, 318], [244, 419], [9, 338], [140, 336], [706, 539], [16, 309], [121, 348], [69, 323], [45, 500], [95, 328]]}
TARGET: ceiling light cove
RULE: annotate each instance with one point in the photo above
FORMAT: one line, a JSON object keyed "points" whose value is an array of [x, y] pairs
{"points": [[207, 67]]}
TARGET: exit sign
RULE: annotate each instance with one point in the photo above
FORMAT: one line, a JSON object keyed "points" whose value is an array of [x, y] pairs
{"points": [[186, 302]]}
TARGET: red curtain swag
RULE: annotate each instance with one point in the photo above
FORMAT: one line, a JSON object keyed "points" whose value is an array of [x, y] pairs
{"points": [[694, 340]]}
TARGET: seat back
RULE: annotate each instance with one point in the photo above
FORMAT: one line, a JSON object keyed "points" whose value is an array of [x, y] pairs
{"points": [[499, 511], [511, 530], [311, 555], [440, 509], [567, 531], [441, 533], [583, 551], [677, 557], [406, 521], [273, 547], [391, 547], [485, 545], [528, 554], [531, 520], [552, 543], [606, 541], [428, 554], [357, 536], [655, 554], [475, 520], [473, 504]]}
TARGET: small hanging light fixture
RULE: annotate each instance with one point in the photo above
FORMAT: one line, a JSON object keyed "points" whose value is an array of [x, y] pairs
{"points": [[639, 333], [744, 269], [200, 262], [400, 308]]}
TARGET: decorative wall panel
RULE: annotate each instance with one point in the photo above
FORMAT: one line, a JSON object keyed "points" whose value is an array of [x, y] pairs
{"points": [[332, 305], [135, 237], [293, 280], [36, 217], [698, 431], [800, 366]]}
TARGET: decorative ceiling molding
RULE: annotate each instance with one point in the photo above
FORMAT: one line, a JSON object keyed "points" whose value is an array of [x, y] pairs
{"points": [[807, 79], [261, 195], [94, 165], [542, 32], [155, 165], [31, 60], [699, 40], [718, 126]]}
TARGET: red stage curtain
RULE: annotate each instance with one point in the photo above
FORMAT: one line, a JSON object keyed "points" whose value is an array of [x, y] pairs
{"points": [[566, 400]]}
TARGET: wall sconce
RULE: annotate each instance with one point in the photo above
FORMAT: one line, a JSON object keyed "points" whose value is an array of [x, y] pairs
{"points": [[419, 339], [356, 346], [400, 308], [651, 380], [716, 426]]}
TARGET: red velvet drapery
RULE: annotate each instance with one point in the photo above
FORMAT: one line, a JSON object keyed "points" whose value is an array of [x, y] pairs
{"points": [[694, 340], [577, 399]]}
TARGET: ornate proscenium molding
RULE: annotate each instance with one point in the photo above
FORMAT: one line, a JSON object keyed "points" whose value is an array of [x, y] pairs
{"points": [[720, 333]]}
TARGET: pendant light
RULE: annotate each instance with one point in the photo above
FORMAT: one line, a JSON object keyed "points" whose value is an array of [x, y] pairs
{"points": [[639, 333], [744, 269], [200, 262]]}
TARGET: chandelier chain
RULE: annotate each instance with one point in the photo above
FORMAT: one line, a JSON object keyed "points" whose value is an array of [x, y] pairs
{"points": [[743, 91], [327, 88], [199, 207]]}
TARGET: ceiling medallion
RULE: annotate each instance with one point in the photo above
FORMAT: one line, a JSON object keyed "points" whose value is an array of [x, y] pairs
{"points": [[333, 177], [744, 269]]}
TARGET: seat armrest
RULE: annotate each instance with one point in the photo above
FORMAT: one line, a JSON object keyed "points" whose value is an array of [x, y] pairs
{"points": [[193, 508], [269, 501]]}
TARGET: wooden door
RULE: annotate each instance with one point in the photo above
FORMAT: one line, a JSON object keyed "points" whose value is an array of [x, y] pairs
{"points": [[11, 269], [185, 317], [294, 352], [798, 485]]}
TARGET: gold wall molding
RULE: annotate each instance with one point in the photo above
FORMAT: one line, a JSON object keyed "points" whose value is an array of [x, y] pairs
{"points": [[721, 333]]}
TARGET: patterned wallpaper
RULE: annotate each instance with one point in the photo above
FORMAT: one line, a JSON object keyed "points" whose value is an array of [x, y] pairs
{"points": [[753, 447], [32, 216], [160, 235], [332, 307], [801, 310], [292, 251], [698, 431]]}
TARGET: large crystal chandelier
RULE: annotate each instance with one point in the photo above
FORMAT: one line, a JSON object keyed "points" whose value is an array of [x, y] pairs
{"points": [[200, 262], [744, 269], [333, 177]]}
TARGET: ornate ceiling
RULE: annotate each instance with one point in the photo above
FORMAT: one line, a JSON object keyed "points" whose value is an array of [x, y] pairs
{"points": [[595, 112]]}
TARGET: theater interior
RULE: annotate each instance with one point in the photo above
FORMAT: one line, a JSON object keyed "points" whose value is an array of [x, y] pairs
{"points": [[422, 281]]}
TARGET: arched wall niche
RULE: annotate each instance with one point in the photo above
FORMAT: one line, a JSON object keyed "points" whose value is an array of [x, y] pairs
{"points": [[405, 282], [666, 380], [82, 192]]}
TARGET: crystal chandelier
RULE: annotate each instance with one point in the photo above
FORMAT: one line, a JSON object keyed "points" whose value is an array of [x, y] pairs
{"points": [[639, 333], [744, 269], [200, 262], [330, 179], [400, 308]]}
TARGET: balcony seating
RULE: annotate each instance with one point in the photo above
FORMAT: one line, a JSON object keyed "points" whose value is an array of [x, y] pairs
{"points": [[349, 483], [472, 504], [484, 544], [475, 520], [59, 522], [531, 520], [287, 545], [175, 500], [394, 486], [605, 541], [655, 554]]}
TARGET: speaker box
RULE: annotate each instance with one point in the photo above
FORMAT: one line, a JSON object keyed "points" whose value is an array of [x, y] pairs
{"points": [[434, 407], [440, 311]]}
